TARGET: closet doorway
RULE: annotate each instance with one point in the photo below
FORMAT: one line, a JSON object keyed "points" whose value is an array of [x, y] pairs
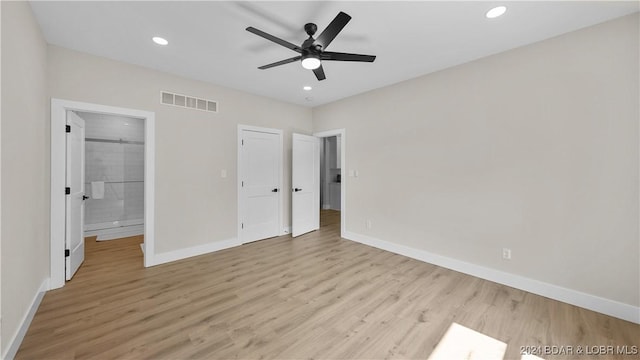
{"points": [[332, 183]]}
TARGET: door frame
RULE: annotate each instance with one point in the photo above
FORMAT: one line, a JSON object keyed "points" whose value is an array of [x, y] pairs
{"points": [[239, 170], [59, 110], [343, 162]]}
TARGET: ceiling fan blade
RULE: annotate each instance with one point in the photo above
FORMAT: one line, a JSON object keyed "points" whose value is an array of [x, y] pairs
{"points": [[281, 62], [276, 40], [319, 73], [333, 29], [329, 55]]}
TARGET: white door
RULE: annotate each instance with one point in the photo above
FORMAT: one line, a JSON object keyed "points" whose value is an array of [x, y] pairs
{"points": [[260, 179], [305, 182], [74, 239]]}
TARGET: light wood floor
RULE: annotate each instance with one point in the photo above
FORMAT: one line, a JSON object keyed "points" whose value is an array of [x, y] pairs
{"points": [[316, 296]]}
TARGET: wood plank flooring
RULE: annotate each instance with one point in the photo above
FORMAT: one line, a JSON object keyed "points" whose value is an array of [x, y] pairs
{"points": [[316, 296]]}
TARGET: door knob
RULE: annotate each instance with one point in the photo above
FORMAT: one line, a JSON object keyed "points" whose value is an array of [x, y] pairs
{"points": [[84, 197], [274, 190], [296, 189]]}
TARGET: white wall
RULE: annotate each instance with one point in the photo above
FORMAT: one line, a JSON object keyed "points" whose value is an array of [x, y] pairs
{"points": [[194, 205], [1, 353], [534, 149], [24, 237]]}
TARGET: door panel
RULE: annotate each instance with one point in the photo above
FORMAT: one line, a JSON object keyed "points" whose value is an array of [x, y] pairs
{"points": [[305, 180], [74, 239], [261, 173]]}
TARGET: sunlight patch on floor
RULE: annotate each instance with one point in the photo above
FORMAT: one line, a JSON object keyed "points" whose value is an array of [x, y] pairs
{"points": [[460, 342]]}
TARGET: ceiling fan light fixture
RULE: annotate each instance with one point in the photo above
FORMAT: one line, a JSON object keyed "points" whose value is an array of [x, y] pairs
{"points": [[310, 62], [160, 41], [496, 12]]}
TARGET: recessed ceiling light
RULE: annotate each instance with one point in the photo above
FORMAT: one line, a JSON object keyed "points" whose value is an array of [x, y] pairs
{"points": [[307, 88], [496, 11], [160, 41]]}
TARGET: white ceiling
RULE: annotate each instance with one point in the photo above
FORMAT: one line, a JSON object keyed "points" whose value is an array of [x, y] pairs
{"points": [[208, 41]]}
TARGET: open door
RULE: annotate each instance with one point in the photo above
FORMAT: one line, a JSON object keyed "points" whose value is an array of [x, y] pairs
{"points": [[74, 236], [305, 182]]}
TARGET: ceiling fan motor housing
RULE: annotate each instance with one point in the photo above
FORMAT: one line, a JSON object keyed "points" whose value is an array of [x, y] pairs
{"points": [[310, 28]]}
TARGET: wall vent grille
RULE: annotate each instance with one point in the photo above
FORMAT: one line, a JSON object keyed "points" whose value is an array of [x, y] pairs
{"points": [[187, 101]]}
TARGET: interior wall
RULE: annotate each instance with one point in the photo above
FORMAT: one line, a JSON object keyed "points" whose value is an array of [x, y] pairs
{"points": [[328, 154], [25, 166], [534, 149], [1, 347], [195, 205], [330, 172]]}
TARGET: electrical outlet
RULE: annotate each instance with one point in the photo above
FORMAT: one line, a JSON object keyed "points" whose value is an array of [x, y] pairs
{"points": [[223, 173], [506, 254], [369, 223]]}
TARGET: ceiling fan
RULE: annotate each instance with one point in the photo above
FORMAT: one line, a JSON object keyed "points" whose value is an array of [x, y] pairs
{"points": [[312, 51]]}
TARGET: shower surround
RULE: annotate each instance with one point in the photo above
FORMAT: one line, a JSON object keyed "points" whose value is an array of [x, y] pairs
{"points": [[114, 159]]}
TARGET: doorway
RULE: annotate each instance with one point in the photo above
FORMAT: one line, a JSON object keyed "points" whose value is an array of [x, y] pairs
{"points": [[333, 187], [114, 176], [59, 111]]}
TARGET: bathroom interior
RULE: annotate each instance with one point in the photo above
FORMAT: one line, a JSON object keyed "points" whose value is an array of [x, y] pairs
{"points": [[114, 176]]}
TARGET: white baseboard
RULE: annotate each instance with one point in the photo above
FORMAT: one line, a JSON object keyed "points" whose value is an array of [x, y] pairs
{"points": [[170, 256], [326, 206], [16, 341], [286, 231], [573, 297]]}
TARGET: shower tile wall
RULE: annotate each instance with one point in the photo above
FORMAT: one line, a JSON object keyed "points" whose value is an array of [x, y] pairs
{"points": [[119, 165]]}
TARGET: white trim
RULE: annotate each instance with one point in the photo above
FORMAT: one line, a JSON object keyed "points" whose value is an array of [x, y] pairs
{"points": [[58, 120], [286, 230], [279, 132], [569, 296], [180, 254], [16, 340], [1, 357], [149, 188], [343, 165]]}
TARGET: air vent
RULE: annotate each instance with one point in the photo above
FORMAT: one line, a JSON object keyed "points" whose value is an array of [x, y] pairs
{"points": [[186, 101]]}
